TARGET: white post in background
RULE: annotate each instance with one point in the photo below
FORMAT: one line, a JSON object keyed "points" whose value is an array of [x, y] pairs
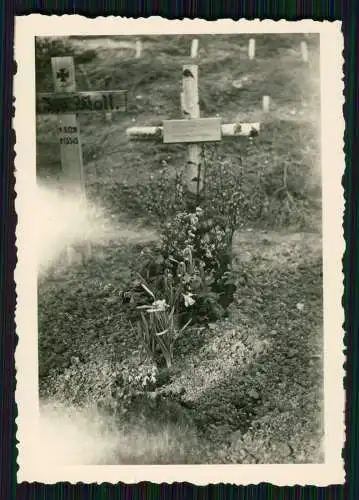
{"points": [[108, 114], [251, 48], [304, 50], [138, 49], [266, 101], [194, 48]]}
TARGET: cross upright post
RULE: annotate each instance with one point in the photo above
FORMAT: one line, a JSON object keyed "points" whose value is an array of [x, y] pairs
{"points": [[63, 72], [190, 110]]}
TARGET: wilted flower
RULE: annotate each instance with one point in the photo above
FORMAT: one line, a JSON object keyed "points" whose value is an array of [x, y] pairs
{"points": [[158, 306], [187, 253], [188, 299], [205, 238], [181, 269]]}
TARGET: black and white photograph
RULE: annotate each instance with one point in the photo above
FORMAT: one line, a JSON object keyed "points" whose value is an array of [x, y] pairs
{"points": [[179, 246]]}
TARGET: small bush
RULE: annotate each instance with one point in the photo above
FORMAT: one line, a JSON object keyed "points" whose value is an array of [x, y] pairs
{"points": [[189, 280], [164, 196]]}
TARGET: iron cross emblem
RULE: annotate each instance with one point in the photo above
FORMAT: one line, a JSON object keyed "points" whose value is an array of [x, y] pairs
{"points": [[62, 75]]}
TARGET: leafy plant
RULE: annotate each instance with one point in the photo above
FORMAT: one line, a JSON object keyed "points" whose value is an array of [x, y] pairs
{"points": [[158, 327], [140, 377], [136, 377], [164, 195], [197, 253]]}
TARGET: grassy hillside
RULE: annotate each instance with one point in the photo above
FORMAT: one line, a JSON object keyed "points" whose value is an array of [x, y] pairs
{"points": [[246, 388], [288, 141]]}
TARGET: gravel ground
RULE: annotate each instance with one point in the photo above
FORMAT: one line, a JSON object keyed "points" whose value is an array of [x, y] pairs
{"points": [[256, 381], [250, 385]]}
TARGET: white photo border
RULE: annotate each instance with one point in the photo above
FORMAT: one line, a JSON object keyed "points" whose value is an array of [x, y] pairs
{"points": [[33, 467]]}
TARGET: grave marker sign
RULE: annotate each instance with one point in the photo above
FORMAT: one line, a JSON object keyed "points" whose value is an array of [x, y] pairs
{"points": [[191, 131]]}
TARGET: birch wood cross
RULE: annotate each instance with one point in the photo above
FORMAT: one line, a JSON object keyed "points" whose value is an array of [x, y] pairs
{"points": [[192, 129]]}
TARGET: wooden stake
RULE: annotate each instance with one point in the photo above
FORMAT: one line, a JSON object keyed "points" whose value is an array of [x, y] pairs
{"points": [[108, 115], [138, 49], [63, 73], [190, 109], [194, 48], [304, 51], [266, 103], [251, 48]]}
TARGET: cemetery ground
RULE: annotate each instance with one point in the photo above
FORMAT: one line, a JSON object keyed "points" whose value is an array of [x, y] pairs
{"points": [[245, 387]]}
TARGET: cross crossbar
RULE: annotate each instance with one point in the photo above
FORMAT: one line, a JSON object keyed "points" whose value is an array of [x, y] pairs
{"points": [[235, 129]]}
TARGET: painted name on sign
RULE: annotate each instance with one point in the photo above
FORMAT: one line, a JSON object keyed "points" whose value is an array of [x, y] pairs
{"points": [[81, 102]]}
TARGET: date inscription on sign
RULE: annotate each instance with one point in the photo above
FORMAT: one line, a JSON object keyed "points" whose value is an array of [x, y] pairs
{"points": [[81, 102], [194, 130], [68, 135]]}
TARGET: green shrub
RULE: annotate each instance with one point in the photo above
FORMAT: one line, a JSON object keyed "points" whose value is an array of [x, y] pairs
{"points": [[197, 253], [188, 281], [163, 195]]}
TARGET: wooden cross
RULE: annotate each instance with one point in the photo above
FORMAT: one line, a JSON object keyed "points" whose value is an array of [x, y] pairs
{"points": [[192, 129], [67, 103]]}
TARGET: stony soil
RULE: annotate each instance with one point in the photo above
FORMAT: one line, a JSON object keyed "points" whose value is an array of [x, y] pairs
{"points": [[247, 389]]}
